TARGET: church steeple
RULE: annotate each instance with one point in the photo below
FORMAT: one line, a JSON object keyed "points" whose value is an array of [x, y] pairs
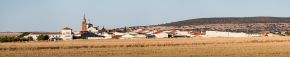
{"points": [[84, 18], [84, 25]]}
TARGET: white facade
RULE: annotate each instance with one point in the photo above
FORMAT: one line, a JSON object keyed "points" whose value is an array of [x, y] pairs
{"points": [[51, 35], [127, 36], [183, 33], [66, 34], [161, 35], [229, 34], [107, 36], [117, 33], [98, 38], [272, 35], [140, 36], [255, 35], [93, 30]]}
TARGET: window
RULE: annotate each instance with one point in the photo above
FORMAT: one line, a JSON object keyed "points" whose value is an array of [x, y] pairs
{"points": [[67, 36], [68, 33]]}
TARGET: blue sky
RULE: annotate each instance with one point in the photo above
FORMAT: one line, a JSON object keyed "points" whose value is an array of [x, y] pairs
{"points": [[52, 15]]}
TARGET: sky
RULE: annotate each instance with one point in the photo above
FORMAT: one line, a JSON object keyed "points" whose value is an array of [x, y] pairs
{"points": [[52, 15]]}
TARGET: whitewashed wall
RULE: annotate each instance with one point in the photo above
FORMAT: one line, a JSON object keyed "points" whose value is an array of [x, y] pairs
{"points": [[161, 35], [225, 34]]}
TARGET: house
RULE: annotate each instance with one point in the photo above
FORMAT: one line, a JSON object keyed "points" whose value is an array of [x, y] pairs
{"points": [[197, 33], [93, 29], [65, 34], [272, 35], [217, 34], [186, 33], [91, 35], [127, 36], [140, 36], [117, 33], [179, 33], [255, 35], [107, 36], [34, 35], [229, 34], [160, 34]]}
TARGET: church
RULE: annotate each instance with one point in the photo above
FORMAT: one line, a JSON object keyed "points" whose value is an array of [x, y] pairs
{"points": [[89, 31]]}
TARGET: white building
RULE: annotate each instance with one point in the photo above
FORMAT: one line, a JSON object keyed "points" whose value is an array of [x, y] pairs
{"points": [[107, 36], [66, 33], [34, 35], [127, 36], [229, 34], [93, 29], [140, 36], [178, 32], [183, 33], [161, 34]]}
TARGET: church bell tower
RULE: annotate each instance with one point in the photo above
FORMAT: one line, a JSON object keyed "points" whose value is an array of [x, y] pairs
{"points": [[84, 25]]}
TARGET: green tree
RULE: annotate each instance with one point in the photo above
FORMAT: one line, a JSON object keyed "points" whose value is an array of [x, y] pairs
{"points": [[30, 38], [42, 37], [125, 29], [287, 33], [84, 38], [6, 39], [12, 39]]}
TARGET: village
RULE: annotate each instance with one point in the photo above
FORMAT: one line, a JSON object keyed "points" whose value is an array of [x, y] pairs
{"points": [[144, 28], [90, 32]]}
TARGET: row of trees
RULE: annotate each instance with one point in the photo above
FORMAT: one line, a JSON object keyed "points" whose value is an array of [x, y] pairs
{"points": [[21, 38], [42, 37], [14, 39], [287, 33]]}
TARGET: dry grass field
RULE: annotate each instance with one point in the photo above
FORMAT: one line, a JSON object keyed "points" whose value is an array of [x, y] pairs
{"points": [[181, 47]]}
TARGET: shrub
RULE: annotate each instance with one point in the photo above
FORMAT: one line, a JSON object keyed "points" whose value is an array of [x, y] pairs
{"points": [[42, 37], [12, 39], [30, 39], [84, 38], [287, 33], [5, 39]]}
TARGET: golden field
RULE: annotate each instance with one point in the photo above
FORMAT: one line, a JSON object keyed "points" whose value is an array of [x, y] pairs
{"points": [[174, 47]]}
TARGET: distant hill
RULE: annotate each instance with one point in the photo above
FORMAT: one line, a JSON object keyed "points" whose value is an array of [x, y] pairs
{"points": [[229, 20]]}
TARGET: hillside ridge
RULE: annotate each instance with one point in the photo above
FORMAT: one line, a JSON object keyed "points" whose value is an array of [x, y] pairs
{"points": [[229, 20]]}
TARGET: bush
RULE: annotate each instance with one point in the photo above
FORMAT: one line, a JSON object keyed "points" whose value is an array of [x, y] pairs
{"points": [[5, 39], [12, 39], [84, 38], [42, 37], [30, 39], [287, 33]]}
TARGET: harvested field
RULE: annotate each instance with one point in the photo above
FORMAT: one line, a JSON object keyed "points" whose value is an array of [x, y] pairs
{"points": [[181, 47]]}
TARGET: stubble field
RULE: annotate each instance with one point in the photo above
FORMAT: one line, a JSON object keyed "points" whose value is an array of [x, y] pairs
{"points": [[177, 47]]}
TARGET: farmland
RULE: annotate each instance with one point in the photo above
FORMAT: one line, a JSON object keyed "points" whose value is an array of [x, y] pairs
{"points": [[176, 47]]}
